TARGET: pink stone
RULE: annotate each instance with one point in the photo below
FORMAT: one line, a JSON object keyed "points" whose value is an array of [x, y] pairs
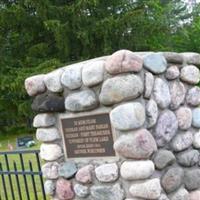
{"points": [[64, 189], [195, 195], [123, 61], [35, 85], [84, 175]]}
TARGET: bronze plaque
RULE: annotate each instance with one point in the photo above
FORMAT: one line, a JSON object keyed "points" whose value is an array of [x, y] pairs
{"points": [[88, 136]]}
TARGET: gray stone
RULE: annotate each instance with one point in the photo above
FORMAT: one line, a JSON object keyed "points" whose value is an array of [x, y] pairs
{"points": [[172, 179], [50, 152], [44, 120], [107, 172], [72, 77], [188, 158], [81, 101], [104, 192], [52, 81], [191, 58], [184, 117], [93, 73], [121, 88], [128, 116], [137, 170], [192, 179], [190, 74], [161, 93], [48, 102], [149, 189], [50, 170], [196, 140], [155, 62], [193, 96], [123, 61], [81, 190], [67, 169], [49, 187], [151, 113], [163, 158], [196, 117], [35, 85], [148, 84], [182, 141], [172, 72], [166, 128], [173, 57], [177, 91], [47, 134], [137, 144], [181, 194]]}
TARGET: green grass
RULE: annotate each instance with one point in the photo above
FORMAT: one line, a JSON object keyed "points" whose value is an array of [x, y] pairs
{"points": [[11, 139]]}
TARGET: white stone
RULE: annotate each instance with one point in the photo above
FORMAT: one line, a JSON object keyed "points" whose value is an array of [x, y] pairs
{"points": [[190, 74], [161, 93], [181, 194], [196, 140], [50, 152], [52, 81], [47, 134], [35, 85], [177, 92], [81, 190], [182, 141], [151, 113], [44, 120], [136, 170], [196, 117], [184, 117], [128, 116], [172, 72], [155, 63], [93, 73], [149, 189], [121, 88], [50, 170], [81, 101], [49, 187], [191, 58], [72, 77], [148, 84], [193, 96], [107, 172], [163, 197]]}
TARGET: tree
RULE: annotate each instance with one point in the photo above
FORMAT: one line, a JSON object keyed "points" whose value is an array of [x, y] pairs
{"points": [[39, 36]]}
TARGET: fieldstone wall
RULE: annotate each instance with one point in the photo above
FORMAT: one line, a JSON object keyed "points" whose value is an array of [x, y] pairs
{"points": [[155, 114]]}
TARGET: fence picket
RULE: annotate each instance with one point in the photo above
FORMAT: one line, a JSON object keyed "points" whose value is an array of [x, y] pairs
{"points": [[12, 171]]}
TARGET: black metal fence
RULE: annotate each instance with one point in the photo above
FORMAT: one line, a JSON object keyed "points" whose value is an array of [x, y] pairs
{"points": [[21, 176]]}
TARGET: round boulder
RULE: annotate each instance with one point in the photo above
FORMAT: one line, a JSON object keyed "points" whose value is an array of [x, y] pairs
{"points": [[155, 63], [128, 116], [137, 145]]}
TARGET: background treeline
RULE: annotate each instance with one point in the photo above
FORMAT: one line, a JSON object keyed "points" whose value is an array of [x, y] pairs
{"points": [[37, 36]]}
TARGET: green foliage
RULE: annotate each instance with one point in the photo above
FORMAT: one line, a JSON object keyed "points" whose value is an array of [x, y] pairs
{"points": [[39, 36]]}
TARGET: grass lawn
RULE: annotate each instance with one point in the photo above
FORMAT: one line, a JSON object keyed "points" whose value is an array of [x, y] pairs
{"points": [[4, 141]]}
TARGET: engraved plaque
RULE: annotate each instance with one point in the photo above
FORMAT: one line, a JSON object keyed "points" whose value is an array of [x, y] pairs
{"points": [[88, 136]]}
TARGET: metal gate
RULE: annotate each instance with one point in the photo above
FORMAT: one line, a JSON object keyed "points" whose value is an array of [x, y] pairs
{"points": [[21, 176]]}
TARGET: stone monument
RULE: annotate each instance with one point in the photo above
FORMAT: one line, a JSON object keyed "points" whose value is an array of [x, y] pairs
{"points": [[120, 127]]}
